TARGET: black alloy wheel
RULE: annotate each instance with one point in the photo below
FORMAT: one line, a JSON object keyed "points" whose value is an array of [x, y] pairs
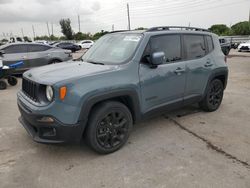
{"points": [[214, 96], [109, 127]]}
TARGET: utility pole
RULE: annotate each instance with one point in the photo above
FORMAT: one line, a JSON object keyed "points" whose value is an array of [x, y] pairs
{"points": [[48, 28], [79, 24], [33, 29], [128, 17], [113, 27], [189, 24], [22, 32], [52, 29]]}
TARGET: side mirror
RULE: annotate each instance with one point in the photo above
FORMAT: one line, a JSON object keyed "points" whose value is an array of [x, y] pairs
{"points": [[2, 52], [157, 58]]}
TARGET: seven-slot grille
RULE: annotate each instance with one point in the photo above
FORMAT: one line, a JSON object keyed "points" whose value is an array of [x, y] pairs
{"points": [[30, 89]]}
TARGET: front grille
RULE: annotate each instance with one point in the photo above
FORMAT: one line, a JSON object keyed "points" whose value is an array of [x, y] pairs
{"points": [[30, 89]]}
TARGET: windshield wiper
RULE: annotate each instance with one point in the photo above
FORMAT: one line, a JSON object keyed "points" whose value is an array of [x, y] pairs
{"points": [[96, 63]]}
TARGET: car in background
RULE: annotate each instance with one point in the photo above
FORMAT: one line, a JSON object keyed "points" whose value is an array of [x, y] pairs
{"points": [[85, 44], [41, 41], [33, 55], [68, 45], [244, 46], [225, 45]]}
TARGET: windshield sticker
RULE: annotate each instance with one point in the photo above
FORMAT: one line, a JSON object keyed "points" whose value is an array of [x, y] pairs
{"points": [[132, 38]]}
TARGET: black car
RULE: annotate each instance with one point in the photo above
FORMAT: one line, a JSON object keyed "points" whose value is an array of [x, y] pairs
{"points": [[68, 45]]}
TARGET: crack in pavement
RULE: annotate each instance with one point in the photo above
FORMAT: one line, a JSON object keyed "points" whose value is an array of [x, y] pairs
{"points": [[209, 144]]}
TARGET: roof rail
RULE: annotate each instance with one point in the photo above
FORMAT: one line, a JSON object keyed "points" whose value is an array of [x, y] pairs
{"points": [[117, 31], [162, 28]]}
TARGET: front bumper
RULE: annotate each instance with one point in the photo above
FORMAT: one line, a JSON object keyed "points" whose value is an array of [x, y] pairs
{"points": [[42, 132]]}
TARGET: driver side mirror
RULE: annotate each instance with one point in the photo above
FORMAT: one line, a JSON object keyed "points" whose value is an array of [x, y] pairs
{"points": [[157, 58], [2, 52]]}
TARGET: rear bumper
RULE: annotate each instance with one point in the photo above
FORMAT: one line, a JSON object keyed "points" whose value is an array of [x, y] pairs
{"points": [[42, 132]]}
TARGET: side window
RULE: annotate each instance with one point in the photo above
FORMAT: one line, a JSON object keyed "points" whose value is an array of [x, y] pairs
{"points": [[169, 44], [13, 49], [195, 46], [38, 48], [210, 43]]}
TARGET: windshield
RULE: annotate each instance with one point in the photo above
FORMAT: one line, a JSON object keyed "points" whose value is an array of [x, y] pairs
{"points": [[113, 49]]}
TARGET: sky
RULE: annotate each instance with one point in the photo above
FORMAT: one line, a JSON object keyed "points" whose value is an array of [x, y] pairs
{"points": [[17, 16]]}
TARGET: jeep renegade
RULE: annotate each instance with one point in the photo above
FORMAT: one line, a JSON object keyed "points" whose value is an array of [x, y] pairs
{"points": [[123, 78]]}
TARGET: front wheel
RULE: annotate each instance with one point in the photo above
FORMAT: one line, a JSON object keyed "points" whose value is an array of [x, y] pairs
{"points": [[214, 95], [109, 127]]}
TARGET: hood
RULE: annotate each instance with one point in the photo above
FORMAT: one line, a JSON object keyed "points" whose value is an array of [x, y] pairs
{"points": [[51, 74]]}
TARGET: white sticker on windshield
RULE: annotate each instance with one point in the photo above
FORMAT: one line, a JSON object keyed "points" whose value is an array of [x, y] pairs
{"points": [[132, 38]]}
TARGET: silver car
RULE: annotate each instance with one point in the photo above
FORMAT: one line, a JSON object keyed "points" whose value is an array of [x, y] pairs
{"points": [[33, 55]]}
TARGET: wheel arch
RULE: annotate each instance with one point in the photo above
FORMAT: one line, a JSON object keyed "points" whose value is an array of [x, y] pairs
{"points": [[219, 73], [129, 98]]}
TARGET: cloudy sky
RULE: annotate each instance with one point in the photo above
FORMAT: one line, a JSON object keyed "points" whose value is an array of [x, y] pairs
{"points": [[95, 15]]}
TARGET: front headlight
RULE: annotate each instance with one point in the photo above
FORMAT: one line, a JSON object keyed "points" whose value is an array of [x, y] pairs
{"points": [[49, 93]]}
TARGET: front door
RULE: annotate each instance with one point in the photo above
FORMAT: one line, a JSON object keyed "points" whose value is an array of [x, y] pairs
{"points": [[165, 84]]}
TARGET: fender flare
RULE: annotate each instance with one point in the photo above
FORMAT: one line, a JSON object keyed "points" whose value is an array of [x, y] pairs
{"points": [[94, 99]]}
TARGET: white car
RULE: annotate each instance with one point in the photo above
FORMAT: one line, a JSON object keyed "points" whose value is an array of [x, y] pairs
{"points": [[85, 44], [244, 46]]}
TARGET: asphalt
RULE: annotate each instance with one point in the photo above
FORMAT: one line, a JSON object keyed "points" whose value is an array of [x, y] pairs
{"points": [[185, 148]]}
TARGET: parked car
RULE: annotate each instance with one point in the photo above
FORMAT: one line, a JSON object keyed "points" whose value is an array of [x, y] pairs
{"points": [[225, 45], [244, 46], [33, 55], [85, 44], [41, 41], [68, 45], [124, 78]]}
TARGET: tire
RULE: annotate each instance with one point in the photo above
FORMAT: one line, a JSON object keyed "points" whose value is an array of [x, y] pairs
{"points": [[3, 85], [12, 80], [109, 127], [54, 61], [214, 96]]}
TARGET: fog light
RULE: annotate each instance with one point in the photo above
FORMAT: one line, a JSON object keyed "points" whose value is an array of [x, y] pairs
{"points": [[45, 120]]}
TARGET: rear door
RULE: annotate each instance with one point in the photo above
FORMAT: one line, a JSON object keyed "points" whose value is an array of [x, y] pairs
{"points": [[38, 55], [165, 84], [198, 49], [15, 53]]}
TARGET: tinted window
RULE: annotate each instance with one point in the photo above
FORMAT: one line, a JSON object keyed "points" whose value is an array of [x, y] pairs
{"points": [[169, 44], [210, 44], [195, 46], [86, 42], [20, 48], [38, 48]]}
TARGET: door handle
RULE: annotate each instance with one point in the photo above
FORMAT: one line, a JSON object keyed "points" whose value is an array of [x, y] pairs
{"points": [[179, 70], [208, 63]]}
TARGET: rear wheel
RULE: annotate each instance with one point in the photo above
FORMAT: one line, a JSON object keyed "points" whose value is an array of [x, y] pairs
{"points": [[12, 80], [109, 127], [54, 61], [214, 96], [3, 85]]}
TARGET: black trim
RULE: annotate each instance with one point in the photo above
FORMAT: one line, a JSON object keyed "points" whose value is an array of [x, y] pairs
{"points": [[91, 101], [223, 71]]}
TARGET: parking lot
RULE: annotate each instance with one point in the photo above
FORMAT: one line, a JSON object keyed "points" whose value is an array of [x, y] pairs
{"points": [[185, 148]]}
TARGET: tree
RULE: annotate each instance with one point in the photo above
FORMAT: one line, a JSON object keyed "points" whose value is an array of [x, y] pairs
{"points": [[241, 28], [99, 34], [220, 29], [82, 36], [66, 28]]}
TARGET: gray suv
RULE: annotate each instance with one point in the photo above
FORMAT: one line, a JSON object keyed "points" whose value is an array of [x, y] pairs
{"points": [[124, 78], [33, 55]]}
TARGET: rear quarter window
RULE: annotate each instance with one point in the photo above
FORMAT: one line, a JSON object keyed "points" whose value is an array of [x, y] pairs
{"points": [[210, 44], [194, 46]]}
